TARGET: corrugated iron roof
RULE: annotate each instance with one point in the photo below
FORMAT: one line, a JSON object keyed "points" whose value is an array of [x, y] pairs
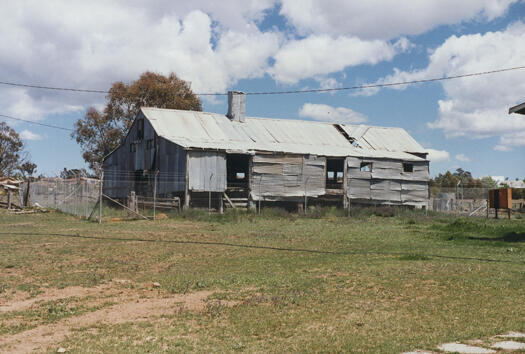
{"points": [[203, 130], [382, 138]]}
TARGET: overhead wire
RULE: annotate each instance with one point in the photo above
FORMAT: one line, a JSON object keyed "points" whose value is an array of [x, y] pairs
{"points": [[357, 87], [36, 123]]}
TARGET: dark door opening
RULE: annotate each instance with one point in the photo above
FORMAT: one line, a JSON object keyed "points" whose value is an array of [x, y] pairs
{"points": [[335, 173], [237, 170]]}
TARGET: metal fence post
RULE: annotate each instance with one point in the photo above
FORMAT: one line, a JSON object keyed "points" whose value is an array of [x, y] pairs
{"points": [[260, 195], [209, 195], [85, 193], [75, 210], [56, 194], [101, 182], [305, 195], [155, 195]]}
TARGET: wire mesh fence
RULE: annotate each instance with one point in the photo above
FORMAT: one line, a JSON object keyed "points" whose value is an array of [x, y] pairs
{"points": [[77, 196], [156, 195], [464, 201]]}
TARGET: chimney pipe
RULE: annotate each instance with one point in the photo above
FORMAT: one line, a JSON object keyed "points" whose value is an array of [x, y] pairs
{"points": [[237, 106]]}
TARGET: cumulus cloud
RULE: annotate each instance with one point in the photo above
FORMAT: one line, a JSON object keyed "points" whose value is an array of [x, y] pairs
{"points": [[462, 158], [438, 155], [211, 44], [28, 135], [100, 42], [503, 148], [477, 107], [385, 19], [323, 54], [326, 113]]}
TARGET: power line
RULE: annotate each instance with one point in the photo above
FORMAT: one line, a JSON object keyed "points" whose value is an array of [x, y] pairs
{"points": [[357, 87], [51, 87], [36, 123], [400, 83]]}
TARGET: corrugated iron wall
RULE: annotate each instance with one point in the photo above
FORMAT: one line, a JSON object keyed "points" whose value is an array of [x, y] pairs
{"points": [[277, 177], [207, 171], [149, 154], [387, 183]]}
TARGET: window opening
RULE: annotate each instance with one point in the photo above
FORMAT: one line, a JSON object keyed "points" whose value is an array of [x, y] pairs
{"points": [[149, 144], [366, 167], [132, 147], [339, 177], [335, 173], [140, 129], [408, 167]]}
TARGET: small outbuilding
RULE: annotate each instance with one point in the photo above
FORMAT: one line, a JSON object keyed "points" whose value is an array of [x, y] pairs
{"points": [[198, 156]]}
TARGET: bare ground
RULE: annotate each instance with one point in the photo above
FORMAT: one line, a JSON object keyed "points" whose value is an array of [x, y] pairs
{"points": [[132, 305]]}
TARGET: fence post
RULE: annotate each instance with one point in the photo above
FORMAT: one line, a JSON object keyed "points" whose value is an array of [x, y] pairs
{"points": [[209, 195], [101, 182], [85, 195], [348, 195], [305, 195], [75, 211], [260, 195], [488, 202], [155, 195]]}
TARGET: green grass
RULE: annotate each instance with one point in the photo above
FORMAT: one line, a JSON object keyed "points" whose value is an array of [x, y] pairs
{"points": [[325, 283]]}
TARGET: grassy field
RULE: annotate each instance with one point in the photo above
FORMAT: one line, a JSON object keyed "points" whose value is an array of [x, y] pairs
{"points": [[271, 283]]}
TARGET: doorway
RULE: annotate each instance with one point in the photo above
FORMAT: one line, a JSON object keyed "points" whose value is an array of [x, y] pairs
{"points": [[237, 171]]}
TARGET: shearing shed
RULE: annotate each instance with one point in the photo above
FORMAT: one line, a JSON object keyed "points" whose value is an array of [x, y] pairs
{"points": [[239, 160]]}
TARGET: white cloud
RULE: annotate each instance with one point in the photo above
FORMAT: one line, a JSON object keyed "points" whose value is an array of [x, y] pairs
{"points": [[503, 148], [327, 82], [28, 135], [326, 113], [385, 19], [462, 158], [438, 155], [322, 54], [91, 45], [476, 107]]}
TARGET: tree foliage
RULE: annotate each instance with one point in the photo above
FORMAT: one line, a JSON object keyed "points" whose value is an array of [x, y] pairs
{"points": [[451, 180], [13, 159], [99, 133], [28, 168]]}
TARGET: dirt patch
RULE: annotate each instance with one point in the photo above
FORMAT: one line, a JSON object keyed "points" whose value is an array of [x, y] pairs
{"points": [[20, 301], [133, 309]]}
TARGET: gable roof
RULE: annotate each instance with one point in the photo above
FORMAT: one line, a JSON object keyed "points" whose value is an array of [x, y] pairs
{"points": [[202, 130]]}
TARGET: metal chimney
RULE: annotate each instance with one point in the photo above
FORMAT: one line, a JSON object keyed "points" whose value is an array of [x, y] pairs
{"points": [[237, 106]]}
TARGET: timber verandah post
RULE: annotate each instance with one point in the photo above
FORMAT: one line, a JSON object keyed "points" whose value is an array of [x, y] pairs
{"points": [[187, 183]]}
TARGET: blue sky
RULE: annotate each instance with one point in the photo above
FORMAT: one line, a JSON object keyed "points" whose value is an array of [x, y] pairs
{"points": [[272, 45]]}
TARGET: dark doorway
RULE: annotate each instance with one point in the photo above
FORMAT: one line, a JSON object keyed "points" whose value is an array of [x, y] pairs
{"points": [[237, 171], [335, 173]]}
